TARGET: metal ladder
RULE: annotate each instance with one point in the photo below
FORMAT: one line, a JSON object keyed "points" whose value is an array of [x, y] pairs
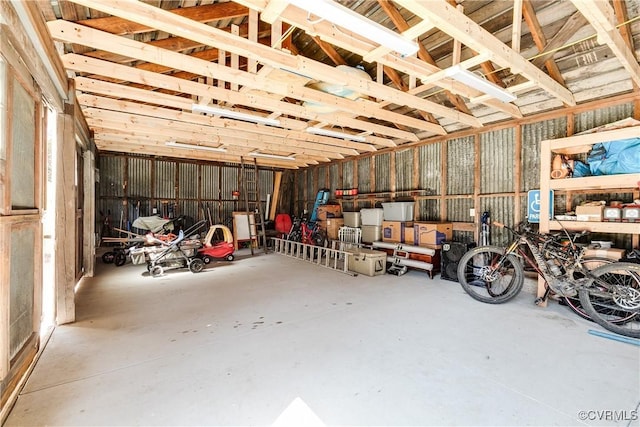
{"points": [[250, 188], [331, 258]]}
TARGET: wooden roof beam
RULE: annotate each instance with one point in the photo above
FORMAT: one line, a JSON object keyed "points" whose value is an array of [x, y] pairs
{"points": [[601, 16], [70, 32], [402, 25], [460, 27], [166, 21], [123, 73], [204, 14], [221, 127], [540, 40], [393, 75]]}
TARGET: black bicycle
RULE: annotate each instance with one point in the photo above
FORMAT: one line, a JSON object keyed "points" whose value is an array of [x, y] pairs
{"points": [[609, 293]]}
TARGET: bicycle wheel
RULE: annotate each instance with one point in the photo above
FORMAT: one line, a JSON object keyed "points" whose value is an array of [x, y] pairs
{"points": [[574, 303], [490, 277], [615, 294], [120, 259]]}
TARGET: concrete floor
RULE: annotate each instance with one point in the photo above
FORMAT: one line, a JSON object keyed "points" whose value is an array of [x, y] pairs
{"points": [[241, 342]]}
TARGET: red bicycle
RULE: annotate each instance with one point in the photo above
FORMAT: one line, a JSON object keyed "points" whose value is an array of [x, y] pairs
{"points": [[307, 232]]}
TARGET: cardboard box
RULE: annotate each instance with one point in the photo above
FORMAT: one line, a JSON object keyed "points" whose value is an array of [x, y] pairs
{"points": [[328, 211], [332, 226], [367, 261], [611, 253], [431, 233], [589, 213], [408, 234], [393, 231]]}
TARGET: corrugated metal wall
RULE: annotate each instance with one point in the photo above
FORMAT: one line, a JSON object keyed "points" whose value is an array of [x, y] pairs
{"points": [[132, 186], [497, 161], [461, 154], [334, 178], [591, 119], [532, 134], [404, 170], [430, 168], [348, 175], [500, 209], [383, 172], [364, 180]]}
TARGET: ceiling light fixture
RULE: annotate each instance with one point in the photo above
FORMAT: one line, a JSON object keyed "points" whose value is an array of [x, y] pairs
{"points": [[197, 108], [334, 134], [271, 156], [348, 19], [477, 82], [195, 147]]}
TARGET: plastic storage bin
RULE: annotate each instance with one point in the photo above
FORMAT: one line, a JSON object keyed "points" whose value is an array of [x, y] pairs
{"points": [[371, 233], [367, 261], [351, 219], [371, 216], [398, 211]]}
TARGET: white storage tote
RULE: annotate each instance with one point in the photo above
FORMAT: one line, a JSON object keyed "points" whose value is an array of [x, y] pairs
{"points": [[398, 211], [371, 216]]}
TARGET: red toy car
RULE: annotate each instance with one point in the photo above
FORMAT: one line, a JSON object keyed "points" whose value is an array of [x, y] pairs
{"points": [[218, 244]]}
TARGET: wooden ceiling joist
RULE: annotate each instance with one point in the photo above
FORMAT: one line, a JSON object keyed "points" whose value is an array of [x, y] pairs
{"points": [[601, 16], [204, 14], [73, 33], [460, 27], [408, 65], [120, 72], [323, 146], [177, 25]]}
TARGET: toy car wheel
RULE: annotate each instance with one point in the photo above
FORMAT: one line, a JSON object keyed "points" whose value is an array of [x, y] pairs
{"points": [[230, 258], [120, 259], [108, 257], [196, 265], [156, 271], [206, 259]]}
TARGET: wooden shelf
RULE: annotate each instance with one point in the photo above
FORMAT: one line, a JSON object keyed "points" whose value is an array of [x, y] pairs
{"points": [[597, 227], [614, 183], [603, 182]]}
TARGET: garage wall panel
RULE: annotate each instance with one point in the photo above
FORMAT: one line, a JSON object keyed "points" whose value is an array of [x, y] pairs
{"points": [[404, 170], [532, 134], [111, 176], [591, 119], [430, 168], [165, 179], [383, 172], [460, 165], [497, 161], [188, 181], [210, 182], [500, 209], [364, 179]]}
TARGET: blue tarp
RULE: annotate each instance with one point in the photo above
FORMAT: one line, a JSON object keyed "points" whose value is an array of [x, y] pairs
{"points": [[611, 158]]}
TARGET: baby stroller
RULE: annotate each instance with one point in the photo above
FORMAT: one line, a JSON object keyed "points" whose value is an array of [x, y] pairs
{"points": [[177, 253], [221, 249]]}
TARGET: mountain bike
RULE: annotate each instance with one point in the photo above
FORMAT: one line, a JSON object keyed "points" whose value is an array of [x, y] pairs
{"points": [[609, 294]]}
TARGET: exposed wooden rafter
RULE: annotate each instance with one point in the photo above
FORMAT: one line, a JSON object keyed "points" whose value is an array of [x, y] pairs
{"points": [[601, 16], [460, 27]]}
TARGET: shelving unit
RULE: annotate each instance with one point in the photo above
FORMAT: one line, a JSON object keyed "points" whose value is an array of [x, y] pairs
{"points": [[582, 144], [610, 183]]}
